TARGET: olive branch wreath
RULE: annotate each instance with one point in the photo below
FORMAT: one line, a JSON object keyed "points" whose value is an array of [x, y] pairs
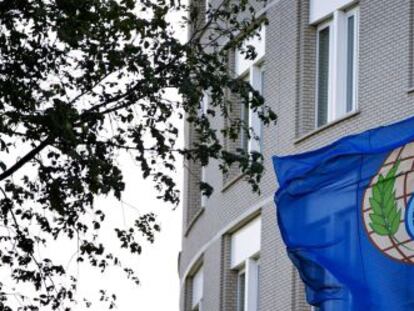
{"points": [[386, 216]]}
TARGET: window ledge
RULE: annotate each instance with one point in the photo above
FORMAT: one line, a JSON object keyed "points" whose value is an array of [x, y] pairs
{"points": [[410, 90], [233, 181], [193, 221], [326, 126]]}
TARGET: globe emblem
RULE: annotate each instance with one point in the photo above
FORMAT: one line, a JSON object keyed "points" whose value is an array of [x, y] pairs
{"points": [[388, 206]]}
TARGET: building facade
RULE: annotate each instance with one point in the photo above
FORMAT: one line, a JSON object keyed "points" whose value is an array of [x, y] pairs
{"points": [[328, 68]]}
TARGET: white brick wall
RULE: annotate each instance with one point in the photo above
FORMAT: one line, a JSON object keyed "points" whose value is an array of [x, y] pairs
{"points": [[384, 68]]}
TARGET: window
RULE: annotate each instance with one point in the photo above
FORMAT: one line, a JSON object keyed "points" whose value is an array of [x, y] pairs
{"points": [[257, 82], [351, 59], [252, 71], [204, 198], [337, 66], [241, 290], [323, 73], [249, 117], [203, 111], [245, 249], [245, 117], [248, 286], [197, 290]]}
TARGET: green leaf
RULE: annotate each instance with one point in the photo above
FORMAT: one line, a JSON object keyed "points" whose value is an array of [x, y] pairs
{"points": [[385, 216], [395, 223], [380, 182], [388, 186], [377, 219], [389, 202], [393, 170], [375, 205], [378, 229], [376, 192]]}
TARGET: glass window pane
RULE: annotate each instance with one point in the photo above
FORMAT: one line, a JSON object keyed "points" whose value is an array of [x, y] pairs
{"points": [[350, 64], [323, 76], [246, 125], [244, 117], [241, 291], [262, 73], [258, 284]]}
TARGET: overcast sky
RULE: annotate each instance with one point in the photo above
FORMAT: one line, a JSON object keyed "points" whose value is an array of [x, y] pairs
{"points": [[157, 266]]}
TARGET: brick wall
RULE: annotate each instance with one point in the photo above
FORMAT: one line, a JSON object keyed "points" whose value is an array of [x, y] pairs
{"points": [[228, 286], [385, 74]]}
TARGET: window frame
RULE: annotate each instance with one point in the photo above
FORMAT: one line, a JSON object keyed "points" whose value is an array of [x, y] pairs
{"points": [[322, 26], [204, 198], [257, 78], [248, 67], [337, 105], [245, 258], [251, 284], [245, 145], [353, 11], [198, 274], [240, 299], [256, 70], [203, 176]]}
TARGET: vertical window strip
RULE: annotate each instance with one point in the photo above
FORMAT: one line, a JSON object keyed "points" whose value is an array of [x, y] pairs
{"points": [[350, 79], [258, 285], [197, 289], [244, 135], [323, 75], [203, 112], [245, 118], [337, 67], [257, 82], [262, 85], [248, 286], [241, 291], [250, 71], [262, 74]]}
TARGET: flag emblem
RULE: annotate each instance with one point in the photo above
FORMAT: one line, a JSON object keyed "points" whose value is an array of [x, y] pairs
{"points": [[388, 206], [346, 214]]}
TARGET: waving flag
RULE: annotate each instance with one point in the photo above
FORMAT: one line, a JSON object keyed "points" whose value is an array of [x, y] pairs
{"points": [[346, 215]]}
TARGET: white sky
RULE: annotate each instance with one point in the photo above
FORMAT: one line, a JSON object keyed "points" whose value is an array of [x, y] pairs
{"points": [[156, 267]]}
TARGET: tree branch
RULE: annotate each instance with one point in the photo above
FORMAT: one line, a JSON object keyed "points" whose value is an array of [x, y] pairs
{"points": [[24, 160]]}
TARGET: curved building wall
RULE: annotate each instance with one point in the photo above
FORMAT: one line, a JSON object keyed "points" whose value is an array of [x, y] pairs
{"points": [[385, 95]]}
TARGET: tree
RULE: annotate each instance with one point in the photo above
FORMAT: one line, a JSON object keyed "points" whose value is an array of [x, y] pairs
{"points": [[81, 81]]}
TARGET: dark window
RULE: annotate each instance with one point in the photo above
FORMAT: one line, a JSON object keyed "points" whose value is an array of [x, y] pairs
{"points": [[350, 64], [323, 75], [241, 291]]}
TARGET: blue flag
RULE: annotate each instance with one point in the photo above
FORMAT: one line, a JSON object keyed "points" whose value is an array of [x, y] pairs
{"points": [[346, 215]]}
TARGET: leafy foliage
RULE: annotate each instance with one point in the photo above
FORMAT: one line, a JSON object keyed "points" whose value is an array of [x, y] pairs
{"points": [[83, 80], [385, 216]]}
